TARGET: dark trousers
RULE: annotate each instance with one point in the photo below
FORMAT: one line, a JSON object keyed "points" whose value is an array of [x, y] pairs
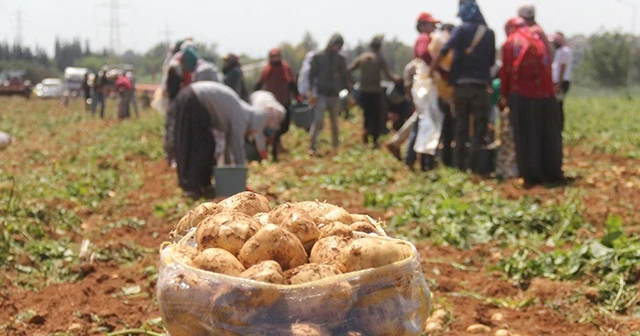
{"points": [[470, 100], [371, 103], [448, 133], [284, 128], [194, 143], [564, 87]]}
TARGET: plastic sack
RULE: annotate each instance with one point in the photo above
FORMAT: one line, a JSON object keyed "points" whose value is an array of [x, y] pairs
{"points": [[160, 101], [430, 118], [392, 300], [5, 140]]}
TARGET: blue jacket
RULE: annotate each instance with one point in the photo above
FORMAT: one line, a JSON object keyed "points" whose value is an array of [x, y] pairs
{"points": [[475, 66]]}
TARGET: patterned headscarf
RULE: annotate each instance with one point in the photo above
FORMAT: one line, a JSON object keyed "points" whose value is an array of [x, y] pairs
{"points": [[514, 24], [470, 12]]}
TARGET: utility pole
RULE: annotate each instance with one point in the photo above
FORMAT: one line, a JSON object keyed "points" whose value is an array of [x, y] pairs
{"points": [[167, 35], [114, 26], [19, 27], [632, 46]]}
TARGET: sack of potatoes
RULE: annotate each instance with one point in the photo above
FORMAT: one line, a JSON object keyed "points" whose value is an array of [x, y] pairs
{"points": [[239, 267]]}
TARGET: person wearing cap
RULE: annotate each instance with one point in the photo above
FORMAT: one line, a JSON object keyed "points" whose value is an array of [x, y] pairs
{"points": [[562, 66], [213, 121], [233, 76], [327, 77], [474, 54], [425, 25], [528, 13], [372, 65], [528, 92], [277, 78]]}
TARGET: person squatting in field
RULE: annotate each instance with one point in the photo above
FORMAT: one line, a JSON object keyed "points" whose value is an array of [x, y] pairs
{"points": [[211, 124]]}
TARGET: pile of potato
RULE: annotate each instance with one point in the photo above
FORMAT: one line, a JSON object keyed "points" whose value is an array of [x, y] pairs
{"points": [[276, 253]]}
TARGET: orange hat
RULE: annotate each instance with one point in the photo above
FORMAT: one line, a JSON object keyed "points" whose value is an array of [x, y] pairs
{"points": [[427, 17], [274, 52]]}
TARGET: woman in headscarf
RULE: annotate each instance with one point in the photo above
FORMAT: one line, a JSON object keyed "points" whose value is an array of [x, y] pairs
{"points": [[202, 106], [277, 78], [527, 90], [233, 76]]}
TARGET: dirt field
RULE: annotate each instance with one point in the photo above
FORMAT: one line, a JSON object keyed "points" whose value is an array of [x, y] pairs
{"points": [[110, 287]]}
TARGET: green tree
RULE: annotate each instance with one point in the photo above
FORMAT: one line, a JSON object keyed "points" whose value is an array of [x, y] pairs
{"points": [[606, 59]]}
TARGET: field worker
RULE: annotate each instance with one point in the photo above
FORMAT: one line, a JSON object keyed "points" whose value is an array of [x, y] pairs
{"points": [[327, 77], [426, 25], [233, 76], [124, 86], [528, 13], [277, 78], [445, 94], [207, 105], [372, 65], [474, 54], [99, 87], [134, 96], [562, 66], [86, 90], [527, 89]]}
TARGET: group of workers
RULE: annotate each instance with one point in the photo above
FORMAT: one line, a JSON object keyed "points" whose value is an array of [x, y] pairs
{"points": [[211, 117], [96, 89]]}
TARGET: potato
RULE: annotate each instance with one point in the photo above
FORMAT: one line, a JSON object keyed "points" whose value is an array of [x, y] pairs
{"points": [[296, 221], [361, 218], [309, 273], [367, 253], [249, 203], [226, 230], [381, 314], [194, 217], [328, 309], [242, 306], [325, 213], [185, 254], [336, 229], [365, 227], [262, 218], [218, 261], [327, 250], [303, 329], [273, 243], [267, 271]]}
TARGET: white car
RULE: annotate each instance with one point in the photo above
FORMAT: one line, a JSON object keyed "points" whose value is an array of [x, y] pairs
{"points": [[49, 88]]}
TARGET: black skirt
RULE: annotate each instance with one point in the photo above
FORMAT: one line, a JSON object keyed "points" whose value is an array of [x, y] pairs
{"points": [[537, 134], [194, 143]]}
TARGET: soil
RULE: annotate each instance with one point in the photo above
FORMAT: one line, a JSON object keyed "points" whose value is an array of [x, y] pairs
{"points": [[460, 279]]}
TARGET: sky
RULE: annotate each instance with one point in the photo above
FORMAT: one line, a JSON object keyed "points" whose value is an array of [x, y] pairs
{"points": [[255, 26]]}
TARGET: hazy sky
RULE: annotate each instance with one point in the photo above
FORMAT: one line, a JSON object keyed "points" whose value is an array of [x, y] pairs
{"points": [[254, 26]]}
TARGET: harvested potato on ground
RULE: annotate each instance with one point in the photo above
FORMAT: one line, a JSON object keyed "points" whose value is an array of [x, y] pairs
{"points": [[336, 229], [185, 254], [226, 230], [296, 221], [262, 218], [309, 273], [327, 250], [365, 227], [372, 252], [249, 203], [218, 261], [325, 213], [194, 217], [267, 271], [273, 243]]}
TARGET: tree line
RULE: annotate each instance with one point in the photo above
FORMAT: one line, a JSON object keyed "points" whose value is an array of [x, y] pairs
{"points": [[600, 59]]}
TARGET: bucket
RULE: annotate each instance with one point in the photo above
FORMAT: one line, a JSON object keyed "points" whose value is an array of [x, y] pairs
{"points": [[303, 116], [230, 180]]}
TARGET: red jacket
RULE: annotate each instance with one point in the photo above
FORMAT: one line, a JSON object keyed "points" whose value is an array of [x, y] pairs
{"points": [[123, 83], [279, 81], [526, 66]]}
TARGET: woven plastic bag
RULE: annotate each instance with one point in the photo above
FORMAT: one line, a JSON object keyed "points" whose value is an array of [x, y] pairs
{"points": [[430, 118], [392, 300]]}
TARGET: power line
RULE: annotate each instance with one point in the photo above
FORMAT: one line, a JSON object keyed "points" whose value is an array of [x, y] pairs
{"points": [[114, 27]]}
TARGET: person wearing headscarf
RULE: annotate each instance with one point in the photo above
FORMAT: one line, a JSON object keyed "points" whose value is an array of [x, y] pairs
{"points": [[372, 65], [327, 77], [124, 86], [277, 78], [527, 91], [562, 66], [474, 54], [528, 13], [207, 105], [233, 76]]}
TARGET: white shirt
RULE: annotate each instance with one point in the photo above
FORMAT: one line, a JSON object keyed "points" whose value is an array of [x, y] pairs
{"points": [[563, 55]]}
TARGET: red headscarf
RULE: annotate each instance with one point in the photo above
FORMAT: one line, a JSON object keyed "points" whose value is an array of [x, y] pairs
{"points": [[514, 24], [270, 67]]}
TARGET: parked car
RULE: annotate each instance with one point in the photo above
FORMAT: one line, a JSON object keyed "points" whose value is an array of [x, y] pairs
{"points": [[49, 88], [14, 83]]}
